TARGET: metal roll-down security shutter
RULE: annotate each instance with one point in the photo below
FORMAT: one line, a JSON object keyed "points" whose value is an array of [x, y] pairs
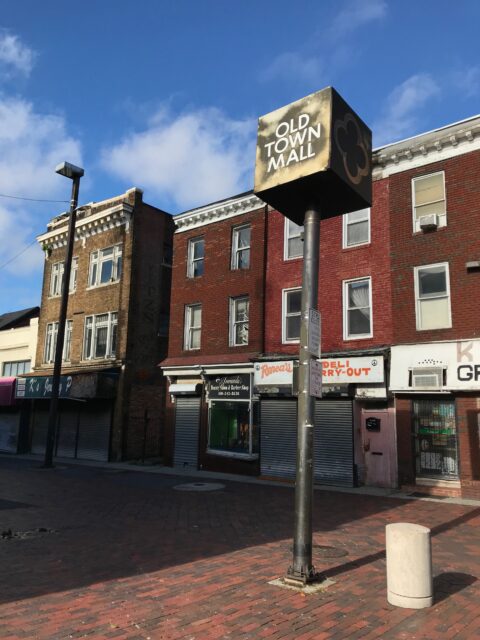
{"points": [[40, 426], [278, 438], [94, 432], [333, 457], [187, 421], [67, 432]]}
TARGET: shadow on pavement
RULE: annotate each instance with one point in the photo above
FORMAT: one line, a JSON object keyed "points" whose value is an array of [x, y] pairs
{"points": [[450, 582], [110, 526]]}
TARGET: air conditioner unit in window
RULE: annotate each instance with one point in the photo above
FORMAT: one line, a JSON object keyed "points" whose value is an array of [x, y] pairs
{"points": [[431, 378], [429, 222]]}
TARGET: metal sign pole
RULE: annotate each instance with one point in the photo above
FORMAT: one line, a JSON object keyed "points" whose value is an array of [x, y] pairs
{"points": [[302, 569]]}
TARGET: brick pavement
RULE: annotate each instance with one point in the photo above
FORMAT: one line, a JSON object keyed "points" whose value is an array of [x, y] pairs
{"points": [[130, 557]]}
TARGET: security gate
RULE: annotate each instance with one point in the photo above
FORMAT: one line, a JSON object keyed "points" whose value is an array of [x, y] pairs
{"points": [[187, 424], [435, 438], [333, 440]]}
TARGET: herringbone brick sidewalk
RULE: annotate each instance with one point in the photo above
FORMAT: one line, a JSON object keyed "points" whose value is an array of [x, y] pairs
{"points": [[124, 555]]}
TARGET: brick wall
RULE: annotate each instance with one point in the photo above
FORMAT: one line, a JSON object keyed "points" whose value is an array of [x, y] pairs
{"points": [[141, 299], [84, 301], [336, 265], [216, 286], [457, 243]]}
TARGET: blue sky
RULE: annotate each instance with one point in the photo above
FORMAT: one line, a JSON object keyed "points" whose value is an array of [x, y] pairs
{"points": [[165, 95]]}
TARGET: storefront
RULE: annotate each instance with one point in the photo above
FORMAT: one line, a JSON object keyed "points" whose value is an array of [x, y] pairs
{"points": [[353, 389], [437, 398], [215, 419], [10, 415], [85, 413]]}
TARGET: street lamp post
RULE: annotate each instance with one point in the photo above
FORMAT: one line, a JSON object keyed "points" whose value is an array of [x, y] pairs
{"points": [[74, 173]]}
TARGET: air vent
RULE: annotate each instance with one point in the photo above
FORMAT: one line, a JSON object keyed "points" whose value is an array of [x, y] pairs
{"points": [[427, 378], [429, 222]]}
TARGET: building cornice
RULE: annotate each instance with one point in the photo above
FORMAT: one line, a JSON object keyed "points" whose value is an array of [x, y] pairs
{"points": [[441, 144], [88, 224], [217, 211]]}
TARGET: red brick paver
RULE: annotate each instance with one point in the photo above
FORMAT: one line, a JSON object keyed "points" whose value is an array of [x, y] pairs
{"points": [[130, 557]]}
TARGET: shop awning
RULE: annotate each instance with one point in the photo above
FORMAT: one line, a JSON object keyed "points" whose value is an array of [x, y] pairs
{"points": [[183, 389], [7, 392]]}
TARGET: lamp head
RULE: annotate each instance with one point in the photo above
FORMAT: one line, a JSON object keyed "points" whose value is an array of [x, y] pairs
{"points": [[69, 170]]}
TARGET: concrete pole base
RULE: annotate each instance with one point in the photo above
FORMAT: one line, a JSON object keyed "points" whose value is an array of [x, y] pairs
{"points": [[409, 603], [409, 565]]}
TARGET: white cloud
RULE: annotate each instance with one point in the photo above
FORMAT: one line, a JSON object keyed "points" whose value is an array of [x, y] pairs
{"points": [[403, 109], [14, 55], [31, 145], [467, 81], [190, 159], [294, 66], [356, 14]]}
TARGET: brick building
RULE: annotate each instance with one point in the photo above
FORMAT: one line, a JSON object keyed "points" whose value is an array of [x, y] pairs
{"points": [[112, 395], [216, 332], [398, 294], [433, 183]]}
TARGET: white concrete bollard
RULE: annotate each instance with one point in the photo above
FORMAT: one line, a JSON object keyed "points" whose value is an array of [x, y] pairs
{"points": [[409, 565]]}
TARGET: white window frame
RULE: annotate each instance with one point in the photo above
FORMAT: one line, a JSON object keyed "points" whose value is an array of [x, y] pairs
{"points": [[234, 322], [285, 293], [13, 367], [346, 309], [443, 216], [51, 333], [418, 318], [97, 259], [56, 278], [191, 261], [93, 323], [188, 327], [236, 250], [347, 223], [286, 237]]}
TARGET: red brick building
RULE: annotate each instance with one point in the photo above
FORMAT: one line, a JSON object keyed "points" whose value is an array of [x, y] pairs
{"points": [[433, 183], [398, 296], [217, 330], [112, 394]]}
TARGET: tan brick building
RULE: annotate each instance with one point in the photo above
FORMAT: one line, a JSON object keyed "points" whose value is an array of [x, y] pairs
{"points": [[112, 395]]}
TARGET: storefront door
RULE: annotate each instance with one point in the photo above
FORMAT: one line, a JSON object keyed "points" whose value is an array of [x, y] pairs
{"points": [[435, 439]]}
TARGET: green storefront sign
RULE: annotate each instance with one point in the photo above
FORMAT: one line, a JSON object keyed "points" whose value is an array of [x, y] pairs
{"points": [[41, 387]]}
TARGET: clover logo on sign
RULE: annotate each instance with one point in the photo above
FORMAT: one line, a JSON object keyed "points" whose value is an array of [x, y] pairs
{"points": [[353, 148]]}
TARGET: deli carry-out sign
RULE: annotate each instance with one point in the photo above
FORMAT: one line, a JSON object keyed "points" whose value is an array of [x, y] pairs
{"points": [[314, 148]]}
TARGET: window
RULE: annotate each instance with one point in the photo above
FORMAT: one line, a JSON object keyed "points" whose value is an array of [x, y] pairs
{"points": [[239, 321], [293, 240], [105, 266], [100, 340], [51, 341], [12, 369], [232, 429], [428, 195], [356, 228], [196, 257], [241, 247], [193, 326], [292, 308], [56, 277], [432, 296], [357, 309]]}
